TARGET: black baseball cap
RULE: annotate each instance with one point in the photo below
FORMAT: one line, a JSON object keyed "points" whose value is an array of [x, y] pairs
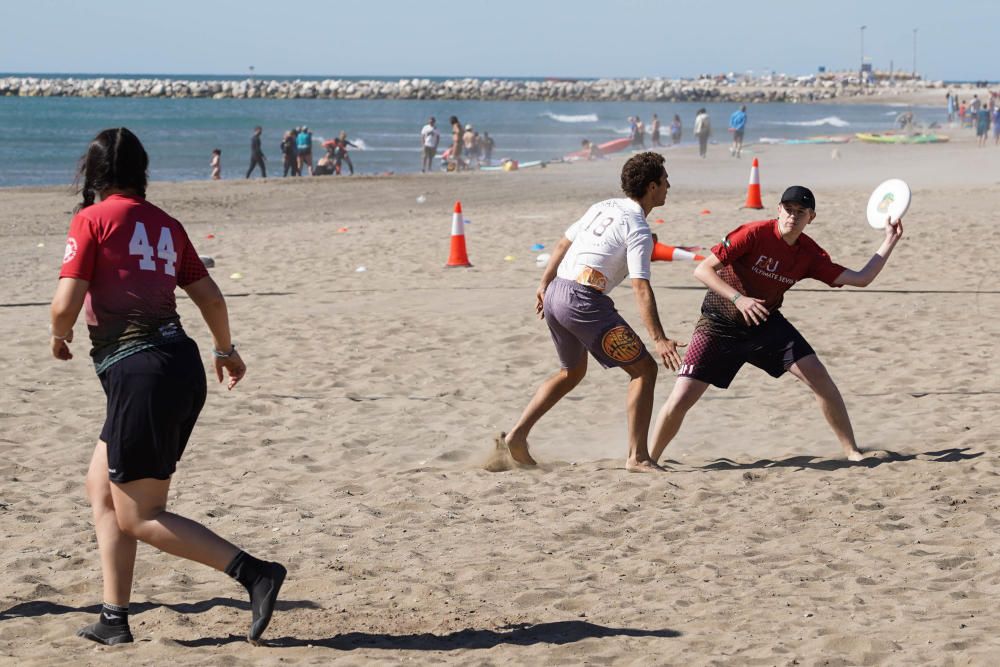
{"points": [[800, 195]]}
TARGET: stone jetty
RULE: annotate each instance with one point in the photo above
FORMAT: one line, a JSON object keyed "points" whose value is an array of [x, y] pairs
{"points": [[720, 88]]}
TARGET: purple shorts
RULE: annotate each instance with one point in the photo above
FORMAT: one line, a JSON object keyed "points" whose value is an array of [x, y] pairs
{"points": [[580, 319], [717, 351]]}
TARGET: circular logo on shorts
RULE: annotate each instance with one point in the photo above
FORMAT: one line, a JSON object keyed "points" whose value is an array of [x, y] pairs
{"points": [[621, 344], [70, 253]]}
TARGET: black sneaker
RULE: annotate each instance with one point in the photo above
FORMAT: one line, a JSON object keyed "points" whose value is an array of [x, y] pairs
{"points": [[263, 595], [109, 635]]}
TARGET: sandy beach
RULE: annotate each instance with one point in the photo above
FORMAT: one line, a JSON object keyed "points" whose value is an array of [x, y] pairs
{"points": [[353, 452]]}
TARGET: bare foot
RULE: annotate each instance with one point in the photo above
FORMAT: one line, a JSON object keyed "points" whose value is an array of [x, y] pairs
{"points": [[859, 455], [518, 449], [643, 466]]}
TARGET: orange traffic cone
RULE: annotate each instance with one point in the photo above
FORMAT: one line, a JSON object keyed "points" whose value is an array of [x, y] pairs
{"points": [[753, 190], [669, 253], [458, 255]]}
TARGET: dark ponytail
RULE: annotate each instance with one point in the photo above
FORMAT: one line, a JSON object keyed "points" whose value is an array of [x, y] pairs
{"points": [[114, 159]]}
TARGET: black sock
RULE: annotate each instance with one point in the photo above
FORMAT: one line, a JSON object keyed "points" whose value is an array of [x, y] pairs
{"points": [[263, 581], [113, 615], [111, 627]]}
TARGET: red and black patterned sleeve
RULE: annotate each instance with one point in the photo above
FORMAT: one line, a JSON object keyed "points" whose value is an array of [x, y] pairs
{"points": [[190, 268]]}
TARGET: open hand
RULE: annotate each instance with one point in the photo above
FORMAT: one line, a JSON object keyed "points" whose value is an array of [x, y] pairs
{"points": [[752, 310], [666, 351]]}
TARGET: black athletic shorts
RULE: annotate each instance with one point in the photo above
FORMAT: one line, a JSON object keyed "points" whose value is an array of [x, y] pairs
{"points": [[154, 398], [718, 350]]}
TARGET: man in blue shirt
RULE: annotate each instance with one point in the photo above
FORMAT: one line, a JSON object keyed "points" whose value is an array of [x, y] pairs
{"points": [[737, 125]]}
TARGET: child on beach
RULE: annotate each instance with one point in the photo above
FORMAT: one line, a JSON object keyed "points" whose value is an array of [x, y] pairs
{"points": [[747, 276], [216, 164]]}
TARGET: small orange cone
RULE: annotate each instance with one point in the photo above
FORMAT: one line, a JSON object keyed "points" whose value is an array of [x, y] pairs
{"points": [[753, 190], [669, 253], [458, 255]]}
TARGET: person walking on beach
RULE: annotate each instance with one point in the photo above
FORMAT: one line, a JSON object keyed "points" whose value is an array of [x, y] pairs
{"points": [[654, 128], [610, 242], [640, 133], [702, 130], [216, 164], [747, 276], [996, 125], [256, 154], [430, 137], [737, 125], [124, 258]]}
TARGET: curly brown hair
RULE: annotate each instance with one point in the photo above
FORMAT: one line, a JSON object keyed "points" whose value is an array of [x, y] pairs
{"points": [[640, 171]]}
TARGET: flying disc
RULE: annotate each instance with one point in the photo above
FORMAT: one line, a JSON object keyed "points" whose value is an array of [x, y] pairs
{"points": [[890, 200]]}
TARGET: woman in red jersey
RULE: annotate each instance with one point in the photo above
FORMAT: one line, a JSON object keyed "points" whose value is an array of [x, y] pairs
{"points": [[124, 258]]}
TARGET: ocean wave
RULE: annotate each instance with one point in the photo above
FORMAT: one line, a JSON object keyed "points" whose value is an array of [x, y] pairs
{"points": [[564, 118], [833, 121]]}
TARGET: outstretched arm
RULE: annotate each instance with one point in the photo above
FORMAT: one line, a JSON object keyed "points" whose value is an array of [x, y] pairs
{"points": [[666, 349], [864, 277]]}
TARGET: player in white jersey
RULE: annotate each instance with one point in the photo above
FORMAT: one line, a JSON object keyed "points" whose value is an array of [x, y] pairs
{"points": [[610, 242]]}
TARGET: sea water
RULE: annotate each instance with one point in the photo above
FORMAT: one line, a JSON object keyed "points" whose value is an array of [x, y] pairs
{"points": [[42, 138]]}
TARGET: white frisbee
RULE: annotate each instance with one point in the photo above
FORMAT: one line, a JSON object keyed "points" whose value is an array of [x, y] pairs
{"points": [[891, 199]]}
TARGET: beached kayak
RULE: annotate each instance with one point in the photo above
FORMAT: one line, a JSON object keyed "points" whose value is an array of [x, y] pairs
{"points": [[825, 139], [613, 146], [901, 138]]}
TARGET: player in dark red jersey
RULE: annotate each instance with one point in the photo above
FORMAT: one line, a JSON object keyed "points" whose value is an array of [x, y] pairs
{"points": [[124, 258], [747, 276]]}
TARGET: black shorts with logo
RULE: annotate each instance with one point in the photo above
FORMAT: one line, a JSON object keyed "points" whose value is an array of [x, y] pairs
{"points": [[718, 349], [154, 398]]}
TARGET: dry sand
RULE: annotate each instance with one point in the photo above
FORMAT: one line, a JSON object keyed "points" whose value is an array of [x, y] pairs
{"points": [[353, 451]]}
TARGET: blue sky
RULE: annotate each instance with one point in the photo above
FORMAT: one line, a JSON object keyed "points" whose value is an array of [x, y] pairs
{"points": [[582, 38]]}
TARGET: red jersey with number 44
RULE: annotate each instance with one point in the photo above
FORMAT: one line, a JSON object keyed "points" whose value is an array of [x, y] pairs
{"points": [[758, 262], [134, 256]]}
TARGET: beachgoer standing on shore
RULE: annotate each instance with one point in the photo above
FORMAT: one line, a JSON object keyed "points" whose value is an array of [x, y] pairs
{"points": [[342, 154], [430, 137], [737, 125], [469, 147], [610, 242], [633, 132], [488, 146], [216, 164], [124, 259], [747, 276], [675, 130], [996, 125], [952, 102], [982, 125], [455, 156], [303, 150], [289, 156], [256, 154], [654, 127], [702, 130], [640, 133]]}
